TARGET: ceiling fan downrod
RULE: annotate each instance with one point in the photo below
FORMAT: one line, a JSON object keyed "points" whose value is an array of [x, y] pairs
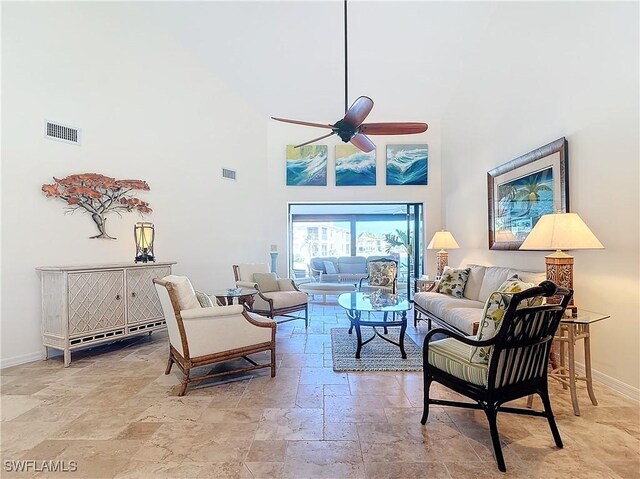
{"points": [[346, 62]]}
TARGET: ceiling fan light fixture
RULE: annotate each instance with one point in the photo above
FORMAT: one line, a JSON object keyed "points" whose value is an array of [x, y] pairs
{"points": [[351, 128]]}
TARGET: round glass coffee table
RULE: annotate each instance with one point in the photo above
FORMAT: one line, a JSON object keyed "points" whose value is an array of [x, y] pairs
{"points": [[244, 295], [377, 302]]}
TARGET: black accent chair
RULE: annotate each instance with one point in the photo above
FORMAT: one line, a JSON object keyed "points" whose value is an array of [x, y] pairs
{"points": [[517, 365]]}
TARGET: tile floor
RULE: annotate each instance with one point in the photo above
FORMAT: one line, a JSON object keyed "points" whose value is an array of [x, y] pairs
{"points": [[116, 414]]}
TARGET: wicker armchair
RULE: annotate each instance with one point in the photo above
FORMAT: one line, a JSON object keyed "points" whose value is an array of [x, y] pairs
{"points": [[281, 299], [199, 336], [517, 363]]}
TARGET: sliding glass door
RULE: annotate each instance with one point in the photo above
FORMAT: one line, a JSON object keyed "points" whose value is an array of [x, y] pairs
{"points": [[358, 229]]}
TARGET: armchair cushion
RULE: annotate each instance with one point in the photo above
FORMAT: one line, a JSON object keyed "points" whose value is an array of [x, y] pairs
{"points": [[200, 313], [281, 299], [267, 282], [329, 267], [452, 356], [285, 284], [184, 291], [453, 281], [245, 271]]}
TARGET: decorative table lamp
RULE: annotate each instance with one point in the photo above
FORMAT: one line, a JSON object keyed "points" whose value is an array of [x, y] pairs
{"points": [[442, 240], [561, 231], [144, 234]]}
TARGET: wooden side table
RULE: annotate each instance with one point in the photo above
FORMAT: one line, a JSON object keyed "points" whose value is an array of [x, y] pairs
{"points": [[572, 330], [424, 285]]}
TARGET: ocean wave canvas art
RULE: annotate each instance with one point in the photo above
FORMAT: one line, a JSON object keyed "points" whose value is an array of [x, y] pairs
{"points": [[355, 167], [407, 164], [307, 165]]}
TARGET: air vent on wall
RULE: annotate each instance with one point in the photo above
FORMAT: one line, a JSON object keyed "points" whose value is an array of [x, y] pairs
{"points": [[229, 174], [59, 132]]}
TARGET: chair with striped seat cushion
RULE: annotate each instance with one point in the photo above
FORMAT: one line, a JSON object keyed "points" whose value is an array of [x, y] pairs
{"points": [[517, 363]]}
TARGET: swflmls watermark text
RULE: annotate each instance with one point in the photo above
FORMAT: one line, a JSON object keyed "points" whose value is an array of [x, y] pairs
{"points": [[29, 465]]}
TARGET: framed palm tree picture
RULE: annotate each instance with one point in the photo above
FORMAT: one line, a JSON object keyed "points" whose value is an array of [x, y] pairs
{"points": [[524, 189]]}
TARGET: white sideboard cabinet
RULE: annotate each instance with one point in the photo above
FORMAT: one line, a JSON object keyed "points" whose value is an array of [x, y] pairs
{"points": [[89, 305]]}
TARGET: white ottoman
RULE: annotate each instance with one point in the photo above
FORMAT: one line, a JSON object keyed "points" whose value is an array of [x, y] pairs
{"points": [[326, 288]]}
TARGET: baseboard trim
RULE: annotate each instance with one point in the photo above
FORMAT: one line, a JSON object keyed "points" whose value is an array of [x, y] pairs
{"points": [[22, 359], [612, 383]]}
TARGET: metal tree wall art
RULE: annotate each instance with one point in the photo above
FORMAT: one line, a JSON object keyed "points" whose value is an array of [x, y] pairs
{"points": [[98, 195]]}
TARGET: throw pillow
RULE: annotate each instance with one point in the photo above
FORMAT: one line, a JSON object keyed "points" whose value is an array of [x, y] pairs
{"points": [[267, 282], [515, 285], [184, 292], [453, 281], [204, 300], [329, 267], [492, 315], [382, 273]]}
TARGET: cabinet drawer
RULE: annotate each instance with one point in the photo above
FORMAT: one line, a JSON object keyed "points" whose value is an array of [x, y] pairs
{"points": [[142, 299], [96, 301]]}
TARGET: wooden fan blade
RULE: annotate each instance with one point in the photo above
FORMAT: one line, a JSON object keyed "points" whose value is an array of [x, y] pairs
{"points": [[314, 140], [393, 128], [358, 111], [362, 142], [306, 123]]}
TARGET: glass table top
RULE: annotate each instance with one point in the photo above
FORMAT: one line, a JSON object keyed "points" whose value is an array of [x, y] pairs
{"points": [[234, 292], [585, 317], [385, 302]]}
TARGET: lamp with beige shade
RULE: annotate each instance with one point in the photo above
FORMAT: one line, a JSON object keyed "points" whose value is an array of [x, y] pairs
{"points": [[561, 231], [442, 240]]}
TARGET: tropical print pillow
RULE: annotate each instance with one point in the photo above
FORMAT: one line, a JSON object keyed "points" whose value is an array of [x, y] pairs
{"points": [[453, 281], [493, 313], [492, 316], [382, 273], [516, 285]]}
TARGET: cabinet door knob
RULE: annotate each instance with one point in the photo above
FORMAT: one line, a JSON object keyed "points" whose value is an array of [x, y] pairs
{"points": [[133, 294], [118, 296]]}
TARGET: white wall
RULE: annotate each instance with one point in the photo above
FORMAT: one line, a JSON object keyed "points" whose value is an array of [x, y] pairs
{"points": [[567, 69], [148, 110], [280, 195]]}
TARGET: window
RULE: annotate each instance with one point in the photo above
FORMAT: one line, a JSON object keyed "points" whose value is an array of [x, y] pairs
{"points": [[387, 229]]}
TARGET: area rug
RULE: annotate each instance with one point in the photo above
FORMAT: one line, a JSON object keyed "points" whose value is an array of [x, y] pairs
{"points": [[378, 355]]}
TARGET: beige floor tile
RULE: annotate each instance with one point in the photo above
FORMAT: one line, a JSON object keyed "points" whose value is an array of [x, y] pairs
{"points": [[310, 395], [156, 470], [267, 451], [414, 470], [323, 459], [117, 412], [12, 407], [172, 409], [293, 424], [265, 470], [340, 431], [225, 416]]}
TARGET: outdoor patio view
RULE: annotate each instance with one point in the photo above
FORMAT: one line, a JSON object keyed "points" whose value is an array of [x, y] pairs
{"points": [[357, 230]]}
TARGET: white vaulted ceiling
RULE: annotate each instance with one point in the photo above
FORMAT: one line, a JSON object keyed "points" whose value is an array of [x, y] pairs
{"points": [[287, 58]]}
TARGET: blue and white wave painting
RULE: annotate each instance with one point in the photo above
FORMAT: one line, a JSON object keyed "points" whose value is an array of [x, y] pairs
{"points": [[407, 164], [307, 165], [355, 167]]}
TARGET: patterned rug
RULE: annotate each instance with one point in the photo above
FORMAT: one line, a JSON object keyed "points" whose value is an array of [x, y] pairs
{"points": [[378, 355]]}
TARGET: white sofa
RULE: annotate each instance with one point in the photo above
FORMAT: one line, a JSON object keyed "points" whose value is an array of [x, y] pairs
{"points": [[463, 314]]}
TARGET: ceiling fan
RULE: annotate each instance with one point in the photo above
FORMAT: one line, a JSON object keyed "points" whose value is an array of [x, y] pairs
{"points": [[351, 128]]}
